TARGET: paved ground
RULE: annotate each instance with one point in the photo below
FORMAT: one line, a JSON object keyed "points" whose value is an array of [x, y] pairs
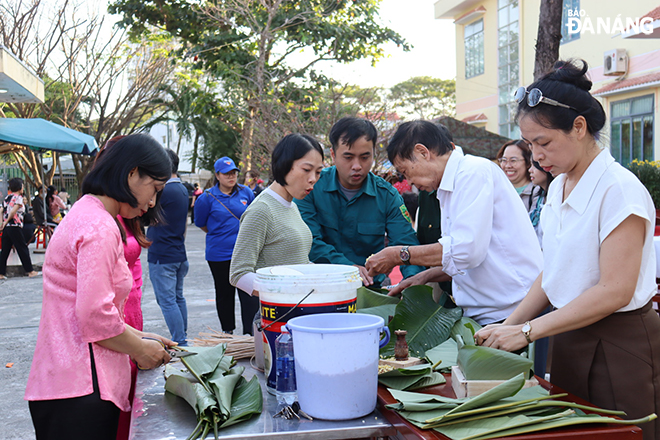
{"points": [[20, 310]]}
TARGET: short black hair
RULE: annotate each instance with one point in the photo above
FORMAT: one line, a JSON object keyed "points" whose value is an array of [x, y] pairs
{"points": [[568, 84], [109, 177], [350, 129], [174, 159], [432, 136], [291, 148], [15, 184]]}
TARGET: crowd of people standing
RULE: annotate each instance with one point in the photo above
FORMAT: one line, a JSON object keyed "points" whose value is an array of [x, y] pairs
{"points": [[552, 238]]}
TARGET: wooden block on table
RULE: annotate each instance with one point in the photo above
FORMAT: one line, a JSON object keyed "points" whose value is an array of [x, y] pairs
{"points": [[470, 388], [401, 364]]}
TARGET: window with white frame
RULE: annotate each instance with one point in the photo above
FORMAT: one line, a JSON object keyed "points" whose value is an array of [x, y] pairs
{"points": [[631, 129], [571, 8], [474, 48], [508, 65]]}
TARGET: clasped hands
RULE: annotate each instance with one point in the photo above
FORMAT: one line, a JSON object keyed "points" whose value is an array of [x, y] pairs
{"points": [[501, 336]]}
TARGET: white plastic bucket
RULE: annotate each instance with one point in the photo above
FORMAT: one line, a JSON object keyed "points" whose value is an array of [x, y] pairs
{"points": [[281, 288], [337, 363]]}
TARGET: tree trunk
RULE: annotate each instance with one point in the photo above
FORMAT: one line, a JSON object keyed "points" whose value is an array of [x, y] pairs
{"points": [[194, 155], [548, 37]]}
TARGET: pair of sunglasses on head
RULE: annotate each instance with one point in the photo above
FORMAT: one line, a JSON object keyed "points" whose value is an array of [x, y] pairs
{"points": [[535, 97]]}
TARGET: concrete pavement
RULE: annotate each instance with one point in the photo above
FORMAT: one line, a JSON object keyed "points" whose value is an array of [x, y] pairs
{"points": [[20, 310]]}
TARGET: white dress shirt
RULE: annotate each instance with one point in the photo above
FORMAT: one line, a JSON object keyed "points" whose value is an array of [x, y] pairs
{"points": [[490, 248], [574, 229]]}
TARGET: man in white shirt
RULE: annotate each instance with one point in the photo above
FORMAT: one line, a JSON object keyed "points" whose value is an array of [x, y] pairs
{"points": [[488, 247]]}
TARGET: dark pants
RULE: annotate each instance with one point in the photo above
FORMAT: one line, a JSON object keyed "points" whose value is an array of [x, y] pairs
{"points": [[13, 236], [78, 418], [224, 299]]}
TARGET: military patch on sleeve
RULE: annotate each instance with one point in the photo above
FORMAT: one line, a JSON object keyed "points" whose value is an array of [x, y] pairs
{"points": [[405, 213]]}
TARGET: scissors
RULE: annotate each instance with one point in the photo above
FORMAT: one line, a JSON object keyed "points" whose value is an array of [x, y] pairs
{"points": [[174, 352]]}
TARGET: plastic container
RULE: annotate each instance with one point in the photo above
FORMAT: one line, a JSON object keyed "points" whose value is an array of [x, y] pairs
{"points": [[286, 369], [337, 363], [334, 289]]}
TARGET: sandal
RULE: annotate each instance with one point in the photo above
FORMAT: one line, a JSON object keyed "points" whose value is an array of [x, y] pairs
{"points": [[2, 277], [34, 274]]}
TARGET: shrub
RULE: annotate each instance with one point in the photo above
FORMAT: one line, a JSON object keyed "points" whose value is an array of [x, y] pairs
{"points": [[649, 174]]}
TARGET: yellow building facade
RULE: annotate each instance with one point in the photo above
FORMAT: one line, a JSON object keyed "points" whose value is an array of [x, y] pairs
{"points": [[495, 52]]}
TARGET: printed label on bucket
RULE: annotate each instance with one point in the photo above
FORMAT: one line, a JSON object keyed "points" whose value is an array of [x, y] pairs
{"points": [[272, 311]]}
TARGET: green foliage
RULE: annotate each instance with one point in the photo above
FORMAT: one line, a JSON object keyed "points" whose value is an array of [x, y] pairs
{"points": [[426, 97], [649, 174]]}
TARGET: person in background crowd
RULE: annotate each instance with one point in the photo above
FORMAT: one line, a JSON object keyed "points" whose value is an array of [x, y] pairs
{"points": [[80, 375], [197, 191], [272, 231], [351, 210], [29, 227], [64, 195], [515, 158], [218, 213], [487, 238], [541, 180], [54, 204], [168, 263], [38, 209], [402, 185], [253, 182], [13, 211], [599, 258]]}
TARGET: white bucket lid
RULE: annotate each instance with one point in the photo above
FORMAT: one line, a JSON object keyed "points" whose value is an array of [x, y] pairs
{"points": [[321, 277]]}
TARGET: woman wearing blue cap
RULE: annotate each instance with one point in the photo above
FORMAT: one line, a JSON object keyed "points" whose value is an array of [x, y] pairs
{"points": [[217, 212]]}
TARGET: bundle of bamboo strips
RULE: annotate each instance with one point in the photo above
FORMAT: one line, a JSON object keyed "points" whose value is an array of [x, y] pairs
{"points": [[238, 346]]}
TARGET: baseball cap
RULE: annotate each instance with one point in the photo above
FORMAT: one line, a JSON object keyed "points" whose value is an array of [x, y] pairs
{"points": [[225, 165]]}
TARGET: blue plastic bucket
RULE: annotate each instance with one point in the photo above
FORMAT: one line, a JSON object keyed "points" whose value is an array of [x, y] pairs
{"points": [[337, 363]]}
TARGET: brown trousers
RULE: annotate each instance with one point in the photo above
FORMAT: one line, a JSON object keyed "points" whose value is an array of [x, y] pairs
{"points": [[614, 364]]}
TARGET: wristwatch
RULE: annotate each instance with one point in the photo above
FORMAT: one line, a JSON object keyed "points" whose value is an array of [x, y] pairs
{"points": [[526, 330], [404, 254]]}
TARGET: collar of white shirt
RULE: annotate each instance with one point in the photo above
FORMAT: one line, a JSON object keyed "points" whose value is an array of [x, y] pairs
{"points": [[581, 194], [451, 168]]}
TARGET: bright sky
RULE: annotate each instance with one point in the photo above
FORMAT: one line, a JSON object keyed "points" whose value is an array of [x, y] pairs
{"points": [[433, 53]]}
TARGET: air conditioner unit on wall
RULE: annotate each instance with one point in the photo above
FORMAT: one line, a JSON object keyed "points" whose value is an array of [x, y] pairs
{"points": [[615, 62]]}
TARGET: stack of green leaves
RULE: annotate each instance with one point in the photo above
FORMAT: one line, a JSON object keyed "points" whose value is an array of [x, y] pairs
{"points": [[411, 378], [215, 388], [505, 410]]}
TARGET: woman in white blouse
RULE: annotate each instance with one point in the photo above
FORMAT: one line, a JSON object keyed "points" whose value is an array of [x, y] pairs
{"points": [[599, 260]]}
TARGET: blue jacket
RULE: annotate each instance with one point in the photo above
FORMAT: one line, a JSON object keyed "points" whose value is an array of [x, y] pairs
{"points": [[222, 225], [168, 239], [349, 231]]}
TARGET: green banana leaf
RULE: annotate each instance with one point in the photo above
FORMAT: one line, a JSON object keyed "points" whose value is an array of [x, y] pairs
{"points": [[427, 323], [566, 421], [194, 393], [444, 355], [405, 378], [428, 381], [246, 400], [206, 360], [222, 385], [386, 311], [466, 328], [367, 298], [505, 389], [491, 426], [486, 363]]}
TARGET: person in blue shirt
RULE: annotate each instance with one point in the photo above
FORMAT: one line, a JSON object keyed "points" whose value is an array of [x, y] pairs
{"points": [[351, 211], [218, 211], [168, 264]]}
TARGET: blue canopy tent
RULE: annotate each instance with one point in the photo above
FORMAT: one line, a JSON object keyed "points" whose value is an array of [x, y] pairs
{"points": [[43, 135]]}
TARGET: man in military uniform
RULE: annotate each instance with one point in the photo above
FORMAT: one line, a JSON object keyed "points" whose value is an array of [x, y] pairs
{"points": [[351, 212]]}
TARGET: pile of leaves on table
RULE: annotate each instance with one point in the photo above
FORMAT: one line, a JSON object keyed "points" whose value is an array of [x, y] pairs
{"points": [[438, 333], [508, 409], [215, 388]]}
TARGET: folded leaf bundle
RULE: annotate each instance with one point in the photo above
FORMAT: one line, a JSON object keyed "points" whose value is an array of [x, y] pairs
{"points": [[218, 393], [485, 363]]}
